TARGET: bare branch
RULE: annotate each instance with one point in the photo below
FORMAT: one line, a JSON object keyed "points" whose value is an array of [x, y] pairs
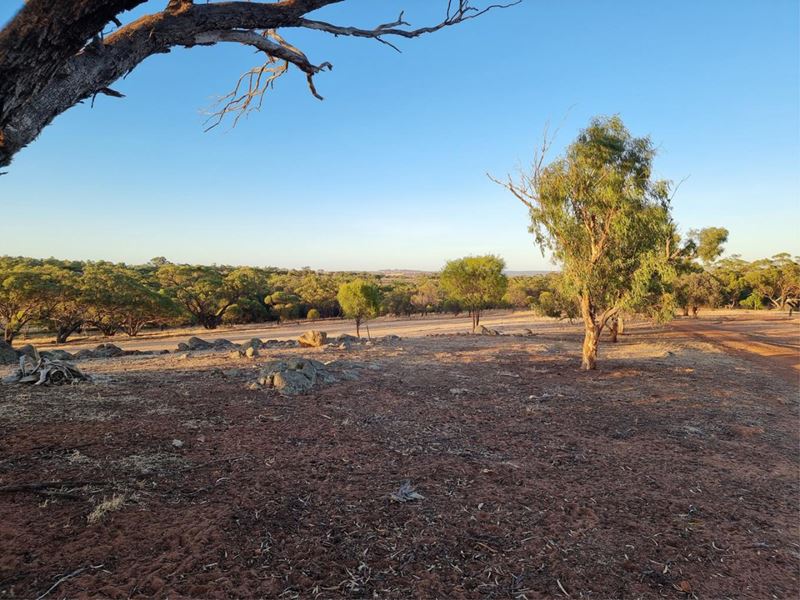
{"points": [[48, 64]]}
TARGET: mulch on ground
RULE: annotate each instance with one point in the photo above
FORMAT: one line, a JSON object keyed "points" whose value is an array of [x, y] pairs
{"points": [[672, 471]]}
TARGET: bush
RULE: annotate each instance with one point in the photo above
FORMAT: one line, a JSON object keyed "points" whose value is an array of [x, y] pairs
{"points": [[753, 302], [313, 314]]}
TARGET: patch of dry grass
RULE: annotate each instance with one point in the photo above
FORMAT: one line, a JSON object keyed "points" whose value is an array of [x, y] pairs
{"points": [[105, 507]]}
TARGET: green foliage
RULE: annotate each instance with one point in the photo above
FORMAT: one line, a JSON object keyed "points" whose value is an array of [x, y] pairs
{"points": [[25, 290], [753, 302], [360, 300], [605, 220], [475, 282], [693, 290], [313, 314], [708, 243], [206, 293], [775, 279]]}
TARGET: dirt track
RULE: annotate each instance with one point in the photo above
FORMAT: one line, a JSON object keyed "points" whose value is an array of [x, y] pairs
{"points": [[671, 472]]}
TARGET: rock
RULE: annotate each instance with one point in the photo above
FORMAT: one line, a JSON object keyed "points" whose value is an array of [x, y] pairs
{"points": [[313, 339], [195, 343], [458, 391], [183, 347], [292, 382], [8, 356], [390, 339], [58, 355], [27, 350], [251, 352], [346, 338], [235, 354], [176, 443], [223, 344], [486, 331], [253, 343], [294, 377], [107, 351], [84, 354]]}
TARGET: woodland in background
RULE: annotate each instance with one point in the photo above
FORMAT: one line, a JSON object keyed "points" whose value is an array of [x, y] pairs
{"points": [[67, 297]]}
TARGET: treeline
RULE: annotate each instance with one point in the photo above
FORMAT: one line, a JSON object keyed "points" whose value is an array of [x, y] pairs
{"points": [[736, 283], [66, 297]]}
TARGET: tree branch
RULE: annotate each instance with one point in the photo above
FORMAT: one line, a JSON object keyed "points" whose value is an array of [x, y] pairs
{"points": [[47, 66]]}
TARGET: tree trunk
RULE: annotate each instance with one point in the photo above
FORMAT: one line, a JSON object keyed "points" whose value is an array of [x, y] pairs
{"points": [[591, 336], [620, 325], [8, 335], [694, 311], [686, 310], [591, 339], [64, 331], [358, 327], [613, 329]]}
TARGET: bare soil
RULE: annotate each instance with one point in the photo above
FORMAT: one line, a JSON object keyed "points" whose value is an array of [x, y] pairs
{"points": [[670, 472]]}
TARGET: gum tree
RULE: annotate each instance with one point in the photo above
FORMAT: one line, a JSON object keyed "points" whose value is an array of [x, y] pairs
{"points": [[605, 220], [360, 300], [475, 282], [56, 54]]}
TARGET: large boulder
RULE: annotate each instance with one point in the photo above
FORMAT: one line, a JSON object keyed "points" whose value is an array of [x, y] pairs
{"points": [[223, 344], [57, 355], [253, 343], [195, 343], [293, 377], [8, 356], [313, 339], [107, 351]]}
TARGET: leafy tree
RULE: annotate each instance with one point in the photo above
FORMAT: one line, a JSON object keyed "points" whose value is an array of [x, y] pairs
{"points": [[118, 298], [475, 282], [285, 306], [203, 292], [396, 299], [360, 300], [708, 243], [606, 221], [47, 66], [777, 279], [693, 290], [731, 272], [65, 303], [427, 295], [24, 291]]}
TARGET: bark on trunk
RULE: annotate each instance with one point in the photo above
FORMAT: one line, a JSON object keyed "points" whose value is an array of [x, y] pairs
{"points": [[591, 336], [63, 332], [591, 339], [686, 311], [614, 329], [358, 327], [8, 335]]}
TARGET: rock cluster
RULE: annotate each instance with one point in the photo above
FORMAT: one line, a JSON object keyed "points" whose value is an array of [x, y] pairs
{"points": [[292, 377]]}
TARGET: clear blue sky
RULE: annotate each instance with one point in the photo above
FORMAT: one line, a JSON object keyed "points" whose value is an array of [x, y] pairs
{"points": [[389, 171]]}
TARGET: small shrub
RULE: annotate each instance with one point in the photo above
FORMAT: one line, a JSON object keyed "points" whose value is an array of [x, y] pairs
{"points": [[313, 314]]}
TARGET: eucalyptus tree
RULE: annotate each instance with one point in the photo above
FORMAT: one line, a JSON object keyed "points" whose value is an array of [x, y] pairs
{"points": [[360, 300], [606, 221], [475, 282]]}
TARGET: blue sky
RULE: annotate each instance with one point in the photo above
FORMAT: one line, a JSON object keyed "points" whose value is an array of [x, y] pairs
{"points": [[389, 170]]}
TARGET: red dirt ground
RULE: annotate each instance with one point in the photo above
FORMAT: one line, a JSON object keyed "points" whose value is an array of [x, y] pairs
{"points": [[670, 472]]}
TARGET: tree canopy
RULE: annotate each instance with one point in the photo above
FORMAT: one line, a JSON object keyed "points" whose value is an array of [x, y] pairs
{"points": [[475, 282], [605, 220]]}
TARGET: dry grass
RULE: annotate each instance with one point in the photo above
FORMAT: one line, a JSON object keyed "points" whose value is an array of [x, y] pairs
{"points": [[105, 507]]}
